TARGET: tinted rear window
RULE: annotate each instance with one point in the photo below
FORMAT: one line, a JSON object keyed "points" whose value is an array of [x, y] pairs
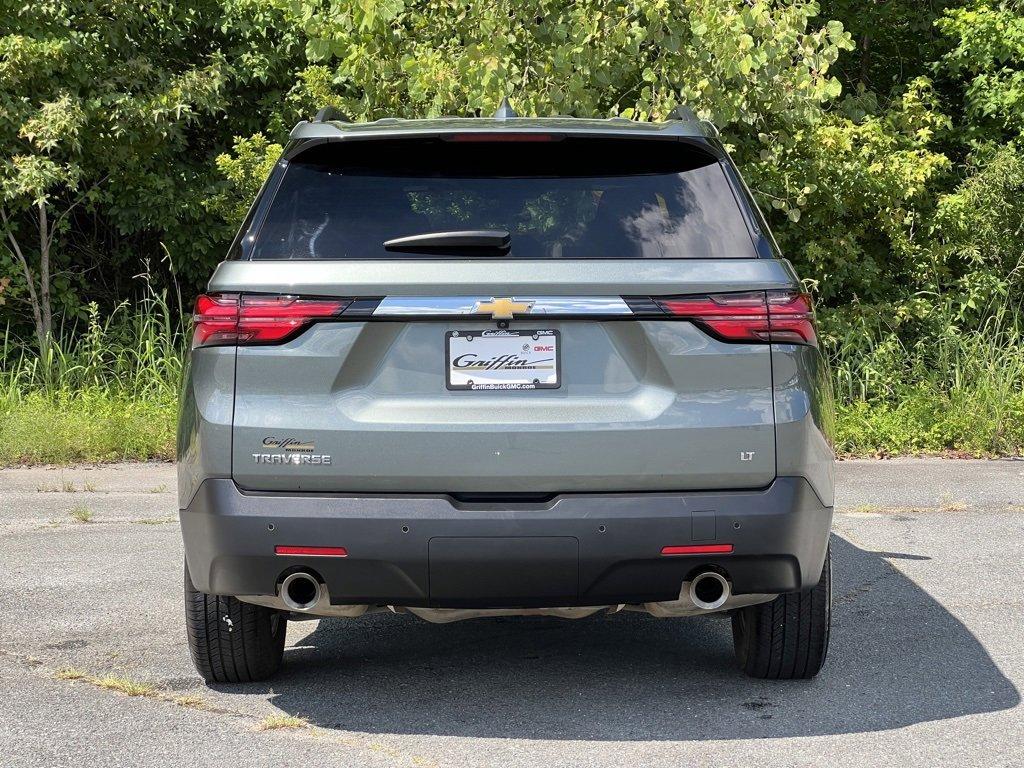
{"points": [[570, 198]]}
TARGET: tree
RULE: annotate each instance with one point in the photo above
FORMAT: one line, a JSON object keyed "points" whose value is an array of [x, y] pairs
{"points": [[30, 182], [895, 42], [759, 69], [91, 113], [987, 62], [731, 60], [124, 127], [111, 117]]}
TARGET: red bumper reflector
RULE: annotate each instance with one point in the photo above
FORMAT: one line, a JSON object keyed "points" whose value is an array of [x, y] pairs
{"points": [[282, 549], [698, 549]]}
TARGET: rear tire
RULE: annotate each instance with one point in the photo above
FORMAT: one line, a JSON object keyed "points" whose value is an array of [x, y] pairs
{"points": [[786, 639], [231, 641]]}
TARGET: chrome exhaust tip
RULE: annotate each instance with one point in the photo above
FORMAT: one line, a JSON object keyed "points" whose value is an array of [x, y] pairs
{"points": [[709, 590], [300, 591]]}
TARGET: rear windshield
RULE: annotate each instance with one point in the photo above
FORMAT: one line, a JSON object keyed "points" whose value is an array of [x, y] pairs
{"points": [[569, 198]]}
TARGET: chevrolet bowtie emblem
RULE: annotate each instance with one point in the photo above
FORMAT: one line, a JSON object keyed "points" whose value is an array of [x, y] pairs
{"points": [[502, 309]]}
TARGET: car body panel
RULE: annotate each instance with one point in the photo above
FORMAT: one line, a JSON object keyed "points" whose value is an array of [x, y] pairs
{"points": [[204, 420], [643, 405], [804, 417], [779, 535]]}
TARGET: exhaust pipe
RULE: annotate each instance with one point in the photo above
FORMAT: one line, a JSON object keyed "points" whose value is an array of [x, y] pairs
{"points": [[300, 591], [709, 590]]}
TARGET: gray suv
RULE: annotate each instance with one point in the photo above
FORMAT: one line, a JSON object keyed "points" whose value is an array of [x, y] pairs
{"points": [[505, 366]]}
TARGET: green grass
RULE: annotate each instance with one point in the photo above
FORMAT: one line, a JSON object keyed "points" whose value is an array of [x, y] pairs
{"points": [[81, 515], [107, 390], [927, 422], [88, 427], [959, 388]]}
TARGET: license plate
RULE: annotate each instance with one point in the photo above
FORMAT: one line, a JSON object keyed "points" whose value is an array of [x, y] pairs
{"points": [[500, 359]]}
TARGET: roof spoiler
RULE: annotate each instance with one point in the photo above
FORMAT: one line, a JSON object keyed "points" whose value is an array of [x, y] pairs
{"points": [[683, 112], [687, 115], [505, 111], [331, 114]]}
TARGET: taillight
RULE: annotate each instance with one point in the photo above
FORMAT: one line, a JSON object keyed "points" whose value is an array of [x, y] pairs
{"points": [[269, 319], [232, 319], [215, 320], [792, 317], [757, 316]]}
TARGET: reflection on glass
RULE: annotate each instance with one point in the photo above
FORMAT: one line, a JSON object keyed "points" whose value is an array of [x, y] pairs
{"points": [[567, 199]]}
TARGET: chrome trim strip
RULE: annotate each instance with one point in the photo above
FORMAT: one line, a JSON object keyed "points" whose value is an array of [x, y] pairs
{"points": [[464, 305]]}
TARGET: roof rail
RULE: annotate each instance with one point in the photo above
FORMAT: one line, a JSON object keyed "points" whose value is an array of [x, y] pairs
{"points": [[505, 111], [331, 114], [683, 112]]}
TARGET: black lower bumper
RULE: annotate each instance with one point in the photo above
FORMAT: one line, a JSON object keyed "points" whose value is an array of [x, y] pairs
{"points": [[576, 549]]}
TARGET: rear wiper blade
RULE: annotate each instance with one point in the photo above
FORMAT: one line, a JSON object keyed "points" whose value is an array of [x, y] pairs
{"points": [[469, 242]]}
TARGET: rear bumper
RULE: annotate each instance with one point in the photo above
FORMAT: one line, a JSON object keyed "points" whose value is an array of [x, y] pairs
{"points": [[576, 549]]}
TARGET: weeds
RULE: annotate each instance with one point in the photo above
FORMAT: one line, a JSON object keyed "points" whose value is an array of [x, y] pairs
{"points": [[110, 682], [279, 722], [192, 701], [949, 503], [105, 392], [70, 673], [124, 685], [81, 515], [129, 687], [864, 509], [957, 388]]}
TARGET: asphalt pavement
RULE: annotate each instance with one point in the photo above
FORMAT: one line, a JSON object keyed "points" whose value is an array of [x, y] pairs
{"points": [[925, 668]]}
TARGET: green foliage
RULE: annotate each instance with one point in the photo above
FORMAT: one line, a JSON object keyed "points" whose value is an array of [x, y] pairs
{"points": [[245, 172], [733, 61], [928, 422], [109, 391], [895, 41], [112, 115], [168, 116], [980, 225], [988, 59], [929, 381], [88, 427], [855, 194]]}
